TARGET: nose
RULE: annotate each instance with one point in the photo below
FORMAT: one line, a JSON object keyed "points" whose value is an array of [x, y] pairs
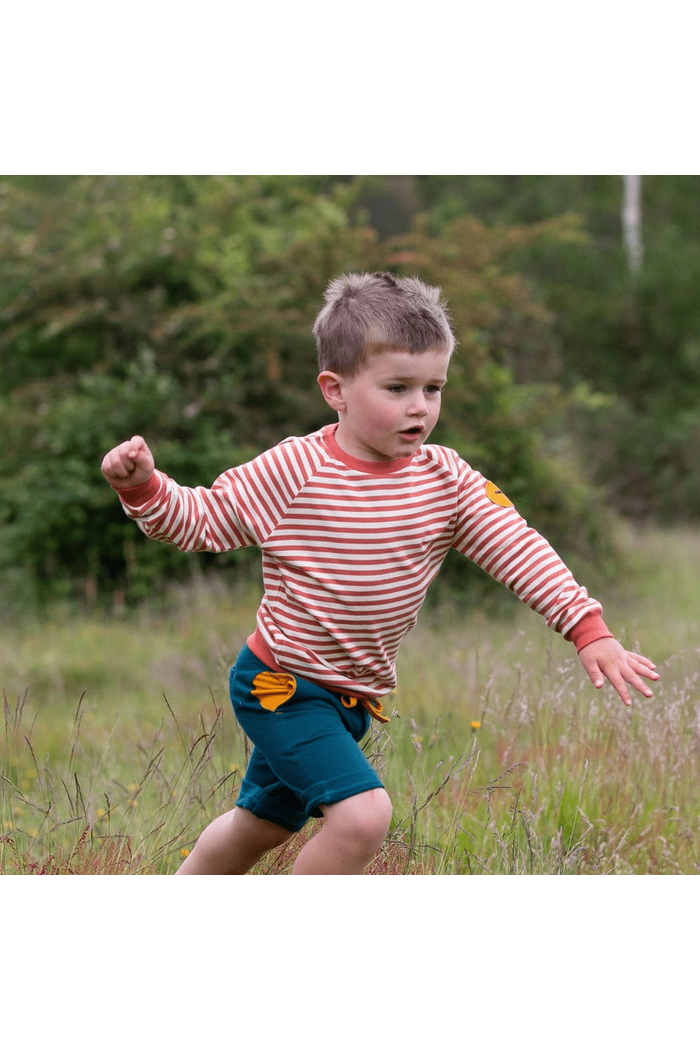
{"points": [[419, 406]]}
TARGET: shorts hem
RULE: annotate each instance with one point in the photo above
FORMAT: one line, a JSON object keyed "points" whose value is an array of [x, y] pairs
{"points": [[253, 799], [331, 793], [262, 806]]}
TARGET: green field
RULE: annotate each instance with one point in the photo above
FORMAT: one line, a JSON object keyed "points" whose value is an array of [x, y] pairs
{"points": [[501, 758]]}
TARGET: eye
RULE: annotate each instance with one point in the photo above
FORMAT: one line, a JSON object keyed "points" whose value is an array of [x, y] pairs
{"points": [[396, 388], [432, 388]]}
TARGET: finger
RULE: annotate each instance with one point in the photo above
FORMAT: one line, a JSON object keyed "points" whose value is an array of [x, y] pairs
{"points": [[595, 673], [643, 665], [644, 660], [630, 675], [647, 673], [634, 680], [592, 667], [121, 465], [619, 684], [114, 467], [139, 453], [121, 461], [618, 681], [136, 447]]}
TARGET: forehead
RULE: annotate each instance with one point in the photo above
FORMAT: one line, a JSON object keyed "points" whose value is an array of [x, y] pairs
{"points": [[390, 361]]}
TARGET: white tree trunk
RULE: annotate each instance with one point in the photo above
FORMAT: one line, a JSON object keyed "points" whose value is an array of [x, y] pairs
{"points": [[632, 220]]}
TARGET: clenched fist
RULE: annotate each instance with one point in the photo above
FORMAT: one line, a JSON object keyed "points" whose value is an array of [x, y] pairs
{"points": [[130, 463]]}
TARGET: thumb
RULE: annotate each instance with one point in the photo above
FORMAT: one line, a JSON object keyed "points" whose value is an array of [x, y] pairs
{"points": [[139, 453], [594, 672], [138, 446]]}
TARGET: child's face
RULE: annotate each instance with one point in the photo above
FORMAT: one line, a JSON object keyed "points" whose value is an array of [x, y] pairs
{"points": [[392, 405]]}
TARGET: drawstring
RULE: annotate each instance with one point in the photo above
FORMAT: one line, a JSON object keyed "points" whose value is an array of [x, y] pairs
{"points": [[375, 708]]}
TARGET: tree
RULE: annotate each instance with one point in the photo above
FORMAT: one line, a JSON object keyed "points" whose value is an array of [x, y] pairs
{"points": [[632, 221], [631, 337], [181, 307]]}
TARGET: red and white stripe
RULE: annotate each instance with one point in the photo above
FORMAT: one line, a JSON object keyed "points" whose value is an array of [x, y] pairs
{"points": [[349, 549]]}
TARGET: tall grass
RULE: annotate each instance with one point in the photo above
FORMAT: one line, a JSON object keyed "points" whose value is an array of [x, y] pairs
{"points": [[501, 758]]}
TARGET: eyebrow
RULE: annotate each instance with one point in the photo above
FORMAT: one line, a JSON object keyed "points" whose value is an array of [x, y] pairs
{"points": [[393, 378]]}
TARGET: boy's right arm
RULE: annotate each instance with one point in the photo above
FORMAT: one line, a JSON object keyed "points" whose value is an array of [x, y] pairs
{"points": [[191, 519], [128, 464]]}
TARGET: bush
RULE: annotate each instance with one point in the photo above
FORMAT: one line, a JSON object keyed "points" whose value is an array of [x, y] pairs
{"points": [[181, 307]]}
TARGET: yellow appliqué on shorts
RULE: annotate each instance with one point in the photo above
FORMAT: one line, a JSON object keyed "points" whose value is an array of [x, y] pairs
{"points": [[273, 688], [497, 496]]}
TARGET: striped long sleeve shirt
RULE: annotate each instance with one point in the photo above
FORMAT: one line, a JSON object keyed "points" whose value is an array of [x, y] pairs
{"points": [[349, 549]]}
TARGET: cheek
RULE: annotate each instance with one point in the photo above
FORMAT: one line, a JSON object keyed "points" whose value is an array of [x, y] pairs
{"points": [[389, 411], [380, 408]]}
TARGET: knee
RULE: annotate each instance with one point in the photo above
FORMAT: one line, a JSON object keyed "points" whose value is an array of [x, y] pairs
{"points": [[363, 819]]}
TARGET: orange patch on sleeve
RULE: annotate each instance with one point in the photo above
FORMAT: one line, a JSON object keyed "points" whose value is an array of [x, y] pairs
{"points": [[497, 496]]}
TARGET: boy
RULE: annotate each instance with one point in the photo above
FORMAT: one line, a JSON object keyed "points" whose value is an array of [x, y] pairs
{"points": [[353, 522]]}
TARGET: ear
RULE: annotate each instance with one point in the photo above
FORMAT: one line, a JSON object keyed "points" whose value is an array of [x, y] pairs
{"points": [[332, 390]]}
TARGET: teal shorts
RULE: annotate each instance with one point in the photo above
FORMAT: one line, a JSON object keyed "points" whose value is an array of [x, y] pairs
{"points": [[306, 751]]}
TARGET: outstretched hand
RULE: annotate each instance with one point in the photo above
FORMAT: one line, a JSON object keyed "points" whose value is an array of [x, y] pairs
{"points": [[130, 463], [608, 659]]}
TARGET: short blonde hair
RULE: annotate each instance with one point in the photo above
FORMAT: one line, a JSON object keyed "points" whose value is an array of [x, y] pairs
{"points": [[379, 310]]}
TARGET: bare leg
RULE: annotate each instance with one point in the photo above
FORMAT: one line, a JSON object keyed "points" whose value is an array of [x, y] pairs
{"points": [[232, 844], [352, 833]]}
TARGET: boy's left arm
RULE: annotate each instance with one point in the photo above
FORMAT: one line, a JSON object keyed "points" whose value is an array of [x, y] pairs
{"points": [[606, 658], [494, 535]]}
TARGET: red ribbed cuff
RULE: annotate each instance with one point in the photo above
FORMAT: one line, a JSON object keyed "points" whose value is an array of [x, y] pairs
{"points": [[137, 495], [589, 629]]}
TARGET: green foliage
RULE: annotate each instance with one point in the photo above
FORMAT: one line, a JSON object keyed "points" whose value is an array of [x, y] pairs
{"points": [[633, 337], [181, 307], [177, 307]]}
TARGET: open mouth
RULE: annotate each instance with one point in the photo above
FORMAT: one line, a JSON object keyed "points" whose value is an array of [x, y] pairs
{"points": [[412, 432]]}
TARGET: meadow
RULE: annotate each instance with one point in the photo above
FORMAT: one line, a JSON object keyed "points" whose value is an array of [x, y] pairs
{"points": [[501, 758]]}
